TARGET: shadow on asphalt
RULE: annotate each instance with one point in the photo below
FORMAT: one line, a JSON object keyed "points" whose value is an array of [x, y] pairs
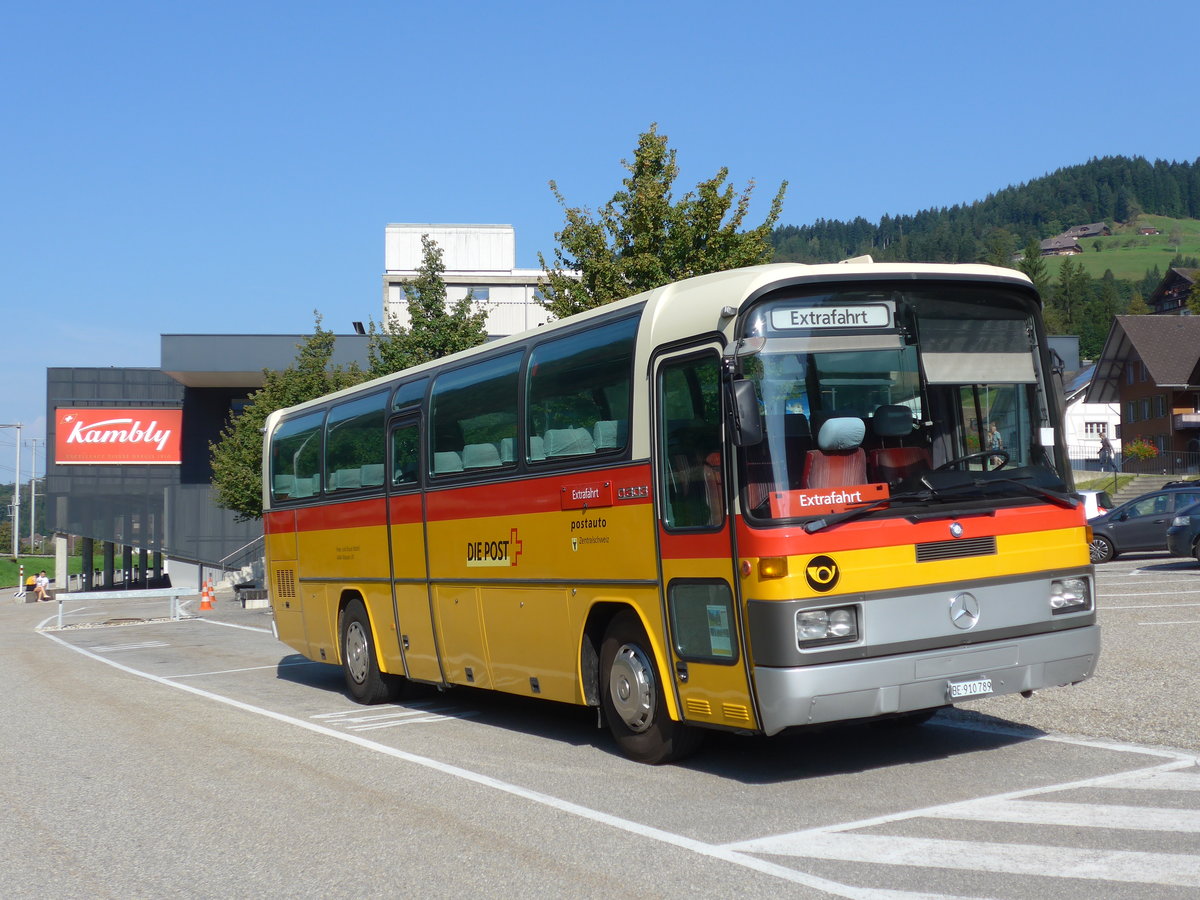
{"points": [[793, 755]]}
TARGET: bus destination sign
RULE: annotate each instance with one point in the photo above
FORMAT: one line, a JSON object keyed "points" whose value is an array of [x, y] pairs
{"points": [[859, 315]]}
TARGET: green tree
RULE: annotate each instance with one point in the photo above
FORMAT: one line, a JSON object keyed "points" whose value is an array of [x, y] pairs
{"points": [[433, 330], [1034, 265], [237, 455], [998, 249], [1071, 293], [1137, 305], [1193, 301], [643, 237], [1098, 317]]}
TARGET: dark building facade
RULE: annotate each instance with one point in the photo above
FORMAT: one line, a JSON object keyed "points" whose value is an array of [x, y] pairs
{"points": [[139, 518]]}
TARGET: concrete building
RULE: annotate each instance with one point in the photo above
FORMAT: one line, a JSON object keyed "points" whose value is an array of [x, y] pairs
{"points": [[478, 258], [127, 456]]}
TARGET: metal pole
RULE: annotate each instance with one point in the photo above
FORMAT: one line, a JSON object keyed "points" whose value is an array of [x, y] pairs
{"points": [[32, 490], [17, 500]]}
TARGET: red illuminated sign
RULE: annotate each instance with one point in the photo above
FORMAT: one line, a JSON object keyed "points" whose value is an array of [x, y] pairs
{"points": [[113, 436], [814, 501]]}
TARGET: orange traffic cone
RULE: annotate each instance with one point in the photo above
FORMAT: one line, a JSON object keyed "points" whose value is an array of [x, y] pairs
{"points": [[212, 591], [205, 598]]}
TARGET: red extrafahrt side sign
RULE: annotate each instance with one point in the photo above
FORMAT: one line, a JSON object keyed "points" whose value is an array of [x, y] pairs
{"points": [[113, 436]]}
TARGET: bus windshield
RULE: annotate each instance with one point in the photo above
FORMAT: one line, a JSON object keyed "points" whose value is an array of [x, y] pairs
{"points": [[863, 394]]}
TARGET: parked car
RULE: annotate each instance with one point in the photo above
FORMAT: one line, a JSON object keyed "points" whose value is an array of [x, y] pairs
{"points": [[1097, 503], [1183, 537], [1142, 523]]}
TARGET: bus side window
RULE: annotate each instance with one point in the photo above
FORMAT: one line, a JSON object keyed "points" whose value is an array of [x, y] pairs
{"points": [[406, 459], [578, 393], [473, 411], [296, 457], [690, 461], [354, 440]]}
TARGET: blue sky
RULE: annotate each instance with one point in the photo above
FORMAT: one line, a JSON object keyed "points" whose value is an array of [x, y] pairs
{"points": [[230, 167]]}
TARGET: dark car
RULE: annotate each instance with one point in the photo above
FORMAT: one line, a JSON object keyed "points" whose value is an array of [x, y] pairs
{"points": [[1183, 537], [1142, 523]]}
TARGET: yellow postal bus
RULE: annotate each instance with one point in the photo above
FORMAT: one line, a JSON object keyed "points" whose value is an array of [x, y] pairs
{"points": [[764, 498]]}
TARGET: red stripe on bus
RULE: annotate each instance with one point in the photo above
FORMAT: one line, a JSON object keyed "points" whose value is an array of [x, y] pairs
{"points": [[532, 495], [502, 498], [712, 545], [864, 535], [351, 514]]}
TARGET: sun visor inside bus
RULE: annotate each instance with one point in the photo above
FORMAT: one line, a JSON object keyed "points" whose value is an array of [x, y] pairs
{"points": [[969, 351], [978, 368]]}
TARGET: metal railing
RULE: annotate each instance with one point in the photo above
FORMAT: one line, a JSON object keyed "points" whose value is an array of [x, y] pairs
{"points": [[248, 556], [1085, 457]]}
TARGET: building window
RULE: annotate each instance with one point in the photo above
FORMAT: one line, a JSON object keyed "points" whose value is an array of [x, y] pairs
{"points": [[1131, 410], [1160, 405], [1129, 372], [1144, 408], [1117, 431], [480, 294], [1095, 428]]}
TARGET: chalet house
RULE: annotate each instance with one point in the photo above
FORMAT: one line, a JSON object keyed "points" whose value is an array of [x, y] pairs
{"points": [[1171, 296], [1060, 246], [1151, 366], [1145, 231], [1079, 232]]}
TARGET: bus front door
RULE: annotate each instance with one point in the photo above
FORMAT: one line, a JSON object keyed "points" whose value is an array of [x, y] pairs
{"points": [[410, 567], [701, 611]]}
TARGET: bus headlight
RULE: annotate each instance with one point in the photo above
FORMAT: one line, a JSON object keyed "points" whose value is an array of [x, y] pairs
{"points": [[826, 626], [1070, 595]]}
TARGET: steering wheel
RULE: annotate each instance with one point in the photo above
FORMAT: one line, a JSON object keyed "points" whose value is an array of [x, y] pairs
{"points": [[982, 454]]}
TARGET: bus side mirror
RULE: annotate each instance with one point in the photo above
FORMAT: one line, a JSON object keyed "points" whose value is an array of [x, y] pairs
{"points": [[747, 423]]}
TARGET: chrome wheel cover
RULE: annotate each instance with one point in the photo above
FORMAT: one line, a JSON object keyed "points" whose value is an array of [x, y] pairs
{"points": [[631, 688], [358, 653]]}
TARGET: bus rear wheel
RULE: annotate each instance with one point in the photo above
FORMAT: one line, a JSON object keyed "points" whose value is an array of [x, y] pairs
{"points": [[632, 697], [360, 663]]}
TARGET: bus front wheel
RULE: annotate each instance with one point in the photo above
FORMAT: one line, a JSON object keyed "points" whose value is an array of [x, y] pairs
{"points": [[364, 681], [632, 696]]}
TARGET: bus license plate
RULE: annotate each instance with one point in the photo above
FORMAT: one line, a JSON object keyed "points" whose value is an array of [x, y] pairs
{"points": [[976, 688]]}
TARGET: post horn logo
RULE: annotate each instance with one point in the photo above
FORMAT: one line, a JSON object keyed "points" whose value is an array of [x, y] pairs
{"points": [[822, 574]]}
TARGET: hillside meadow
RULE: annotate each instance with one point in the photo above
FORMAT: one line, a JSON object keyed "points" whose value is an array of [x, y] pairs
{"points": [[1130, 254]]}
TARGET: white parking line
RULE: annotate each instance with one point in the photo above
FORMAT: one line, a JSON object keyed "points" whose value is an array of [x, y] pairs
{"points": [[1152, 606], [1185, 622], [117, 648], [282, 665], [976, 856]]}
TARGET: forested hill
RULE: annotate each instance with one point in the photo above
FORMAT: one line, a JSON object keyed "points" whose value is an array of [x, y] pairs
{"points": [[1112, 189]]}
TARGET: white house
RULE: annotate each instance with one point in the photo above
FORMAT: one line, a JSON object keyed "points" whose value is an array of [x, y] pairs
{"points": [[1087, 422]]}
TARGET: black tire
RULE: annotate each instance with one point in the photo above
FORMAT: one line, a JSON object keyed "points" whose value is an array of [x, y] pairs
{"points": [[360, 663], [633, 701], [1101, 549]]}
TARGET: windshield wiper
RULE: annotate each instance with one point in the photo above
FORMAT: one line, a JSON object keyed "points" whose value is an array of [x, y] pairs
{"points": [[960, 486], [815, 525], [1064, 500]]}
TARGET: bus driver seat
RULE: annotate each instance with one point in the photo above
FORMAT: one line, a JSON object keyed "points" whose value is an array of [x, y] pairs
{"points": [[840, 460], [891, 464]]}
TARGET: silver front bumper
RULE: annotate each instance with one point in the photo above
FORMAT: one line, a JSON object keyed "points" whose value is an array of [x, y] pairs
{"points": [[860, 689]]}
